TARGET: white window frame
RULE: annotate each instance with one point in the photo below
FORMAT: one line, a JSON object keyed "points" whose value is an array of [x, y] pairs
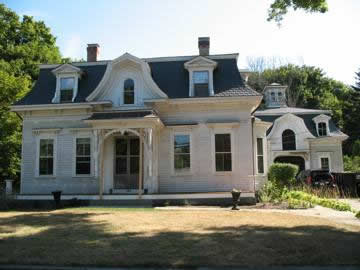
{"points": [[213, 152], [56, 98], [83, 136], [325, 119], [263, 155], [37, 167], [318, 129], [324, 155], [123, 93], [172, 144]]}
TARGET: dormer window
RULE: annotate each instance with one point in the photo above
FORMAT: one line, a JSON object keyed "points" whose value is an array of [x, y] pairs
{"points": [[67, 81], [129, 92], [66, 89], [322, 129], [201, 76], [273, 97], [201, 83], [280, 96], [322, 125]]}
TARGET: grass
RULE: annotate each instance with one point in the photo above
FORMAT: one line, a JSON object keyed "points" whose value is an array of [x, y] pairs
{"points": [[147, 237]]}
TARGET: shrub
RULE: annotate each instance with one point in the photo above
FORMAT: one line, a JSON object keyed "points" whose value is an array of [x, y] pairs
{"points": [[271, 192], [358, 215], [352, 163], [329, 203], [283, 174], [295, 204]]}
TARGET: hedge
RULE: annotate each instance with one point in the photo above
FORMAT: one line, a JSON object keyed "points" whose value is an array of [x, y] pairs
{"points": [[283, 174]]}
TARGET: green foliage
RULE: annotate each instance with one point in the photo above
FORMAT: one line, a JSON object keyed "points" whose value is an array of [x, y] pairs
{"points": [[356, 87], [280, 7], [352, 163], [296, 204], [312, 199], [357, 215], [282, 174], [24, 43], [271, 192]]}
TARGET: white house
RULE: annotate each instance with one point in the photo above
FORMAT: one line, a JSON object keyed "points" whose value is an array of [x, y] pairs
{"points": [[168, 127], [305, 137]]}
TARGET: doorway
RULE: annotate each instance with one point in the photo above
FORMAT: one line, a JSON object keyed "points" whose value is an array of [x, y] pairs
{"points": [[126, 163]]}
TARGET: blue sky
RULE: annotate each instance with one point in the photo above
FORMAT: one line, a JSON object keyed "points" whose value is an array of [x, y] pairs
{"points": [[154, 28]]}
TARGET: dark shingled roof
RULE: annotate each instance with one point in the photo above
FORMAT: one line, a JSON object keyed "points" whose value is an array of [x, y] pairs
{"points": [[170, 76], [335, 131], [120, 115], [44, 88]]}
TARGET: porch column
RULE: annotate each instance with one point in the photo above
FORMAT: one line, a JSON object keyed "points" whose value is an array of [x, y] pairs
{"points": [[101, 174], [141, 163]]}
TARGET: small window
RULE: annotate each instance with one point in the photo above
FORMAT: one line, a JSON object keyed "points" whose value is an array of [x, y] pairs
{"points": [[201, 83], [46, 157], [324, 163], [273, 97], [83, 157], [288, 140], [280, 96], [223, 152], [260, 155], [322, 130], [182, 153], [129, 93], [66, 89]]}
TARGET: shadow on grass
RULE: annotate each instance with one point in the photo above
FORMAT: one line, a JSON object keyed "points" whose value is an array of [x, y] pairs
{"points": [[74, 239]]}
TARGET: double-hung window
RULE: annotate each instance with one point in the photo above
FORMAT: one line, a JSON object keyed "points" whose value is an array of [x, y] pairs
{"points": [[223, 159], [46, 157], [325, 163], [67, 89], [83, 156], [182, 153], [322, 129], [201, 83], [129, 92], [260, 155]]}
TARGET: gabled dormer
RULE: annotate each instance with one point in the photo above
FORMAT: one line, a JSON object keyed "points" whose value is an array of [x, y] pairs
{"points": [[322, 125], [201, 71], [67, 81], [275, 95]]}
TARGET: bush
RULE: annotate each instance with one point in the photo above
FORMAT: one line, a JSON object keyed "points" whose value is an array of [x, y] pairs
{"points": [[358, 215], [329, 203], [283, 174], [352, 163], [271, 192]]}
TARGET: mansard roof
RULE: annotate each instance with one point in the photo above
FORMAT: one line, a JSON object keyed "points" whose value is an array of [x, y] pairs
{"points": [[168, 73]]}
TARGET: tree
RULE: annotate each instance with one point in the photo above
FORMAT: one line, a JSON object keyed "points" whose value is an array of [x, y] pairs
{"points": [[357, 81], [279, 8], [24, 44]]}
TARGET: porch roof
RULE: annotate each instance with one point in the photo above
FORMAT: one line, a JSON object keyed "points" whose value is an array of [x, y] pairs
{"points": [[121, 114]]}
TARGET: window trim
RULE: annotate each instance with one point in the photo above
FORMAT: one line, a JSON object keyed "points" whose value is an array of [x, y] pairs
{"points": [[213, 150], [318, 128], [257, 155], [76, 76], [37, 166], [282, 141], [324, 155], [73, 89], [172, 153], [123, 93], [83, 136]]}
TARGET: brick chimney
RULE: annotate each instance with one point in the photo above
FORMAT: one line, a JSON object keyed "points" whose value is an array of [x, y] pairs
{"points": [[93, 51], [204, 46]]}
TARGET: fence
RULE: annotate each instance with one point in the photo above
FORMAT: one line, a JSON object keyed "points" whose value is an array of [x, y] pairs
{"points": [[348, 183]]}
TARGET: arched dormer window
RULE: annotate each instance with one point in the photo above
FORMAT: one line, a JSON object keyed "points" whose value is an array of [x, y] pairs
{"points": [[129, 92], [288, 140], [322, 129]]}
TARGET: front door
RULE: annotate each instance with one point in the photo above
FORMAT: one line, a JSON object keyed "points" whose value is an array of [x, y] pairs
{"points": [[126, 167]]}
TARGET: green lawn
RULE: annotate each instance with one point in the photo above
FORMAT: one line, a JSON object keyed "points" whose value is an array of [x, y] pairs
{"points": [[147, 237]]}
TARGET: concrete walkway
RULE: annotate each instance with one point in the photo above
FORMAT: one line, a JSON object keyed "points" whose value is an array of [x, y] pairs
{"points": [[31, 267], [354, 203]]}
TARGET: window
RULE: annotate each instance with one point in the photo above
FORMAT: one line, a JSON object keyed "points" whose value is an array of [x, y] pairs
{"points": [[223, 152], [83, 156], [201, 83], [182, 153], [129, 93], [288, 140], [324, 163], [46, 157], [322, 130], [280, 96], [66, 89], [273, 97], [260, 155]]}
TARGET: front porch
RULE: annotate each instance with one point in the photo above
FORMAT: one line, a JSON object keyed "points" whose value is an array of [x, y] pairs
{"points": [[126, 151]]}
